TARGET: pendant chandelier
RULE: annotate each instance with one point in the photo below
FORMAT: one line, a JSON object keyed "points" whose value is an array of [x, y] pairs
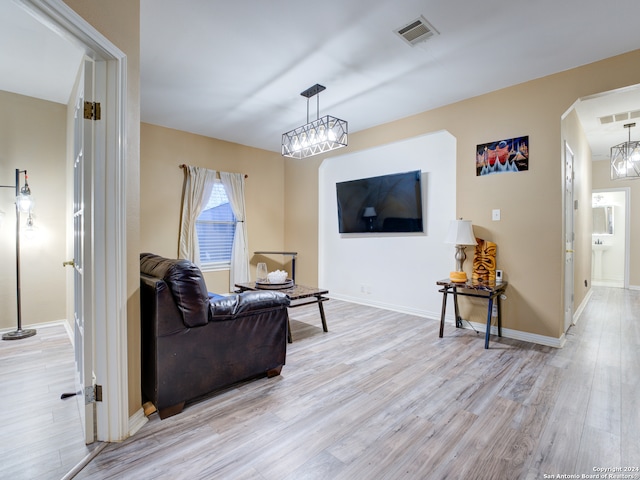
{"points": [[625, 158], [319, 136]]}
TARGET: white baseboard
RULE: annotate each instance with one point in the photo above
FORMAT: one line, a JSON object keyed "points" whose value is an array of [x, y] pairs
{"points": [[37, 326], [580, 309], [450, 319], [518, 335], [136, 421], [608, 283], [388, 306], [634, 287]]}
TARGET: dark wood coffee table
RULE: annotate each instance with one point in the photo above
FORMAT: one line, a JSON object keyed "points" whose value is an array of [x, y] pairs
{"points": [[299, 295]]}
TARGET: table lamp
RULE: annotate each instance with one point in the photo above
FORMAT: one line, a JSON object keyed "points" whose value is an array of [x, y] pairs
{"points": [[461, 234], [370, 215]]}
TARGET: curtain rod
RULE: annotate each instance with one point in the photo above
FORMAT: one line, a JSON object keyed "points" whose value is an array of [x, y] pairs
{"points": [[182, 165]]}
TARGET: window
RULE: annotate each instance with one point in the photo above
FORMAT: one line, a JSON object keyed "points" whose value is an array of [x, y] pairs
{"points": [[216, 227]]}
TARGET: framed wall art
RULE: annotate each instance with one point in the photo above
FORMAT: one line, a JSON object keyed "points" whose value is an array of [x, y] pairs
{"points": [[503, 156]]}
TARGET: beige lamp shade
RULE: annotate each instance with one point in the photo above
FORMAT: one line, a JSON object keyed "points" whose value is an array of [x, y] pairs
{"points": [[460, 233]]}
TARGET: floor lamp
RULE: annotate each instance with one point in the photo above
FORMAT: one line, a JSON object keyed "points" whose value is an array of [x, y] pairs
{"points": [[23, 202]]}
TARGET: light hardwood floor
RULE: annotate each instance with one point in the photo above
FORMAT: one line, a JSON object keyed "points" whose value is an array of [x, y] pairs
{"points": [[380, 396], [40, 434]]}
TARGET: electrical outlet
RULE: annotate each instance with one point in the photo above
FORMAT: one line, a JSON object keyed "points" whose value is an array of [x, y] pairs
{"points": [[495, 214], [494, 310]]}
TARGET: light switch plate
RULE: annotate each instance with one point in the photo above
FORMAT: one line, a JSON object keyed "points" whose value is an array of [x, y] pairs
{"points": [[495, 214]]}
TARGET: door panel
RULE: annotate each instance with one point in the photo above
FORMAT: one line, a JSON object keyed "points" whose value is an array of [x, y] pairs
{"points": [[82, 244], [569, 237]]}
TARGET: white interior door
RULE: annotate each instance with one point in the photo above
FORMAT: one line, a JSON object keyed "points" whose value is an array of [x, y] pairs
{"points": [[104, 232], [569, 237], [82, 245]]}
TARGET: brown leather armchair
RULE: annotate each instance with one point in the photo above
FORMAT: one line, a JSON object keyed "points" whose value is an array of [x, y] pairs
{"points": [[193, 345]]}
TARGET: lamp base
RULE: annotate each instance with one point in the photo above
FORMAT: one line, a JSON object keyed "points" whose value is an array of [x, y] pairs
{"points": [[458, 277], [19, 334]]}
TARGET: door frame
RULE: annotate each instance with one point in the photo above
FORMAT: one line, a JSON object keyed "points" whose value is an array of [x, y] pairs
{"points": [[569, 237], [627, 226], [109, 302]]}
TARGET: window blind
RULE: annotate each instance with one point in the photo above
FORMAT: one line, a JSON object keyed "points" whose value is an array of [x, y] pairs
{"points": [[216, 228]]}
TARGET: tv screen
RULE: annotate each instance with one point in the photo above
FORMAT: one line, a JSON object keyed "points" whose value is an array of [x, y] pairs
{"points": [[389, 203]]}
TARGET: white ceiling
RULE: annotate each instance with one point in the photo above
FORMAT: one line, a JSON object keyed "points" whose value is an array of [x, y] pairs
{"points": [[235, 70], [34, 61], [602, 137]]}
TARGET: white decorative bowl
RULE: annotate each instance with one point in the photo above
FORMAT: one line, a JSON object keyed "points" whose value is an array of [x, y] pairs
{"points": [[279, 276]]}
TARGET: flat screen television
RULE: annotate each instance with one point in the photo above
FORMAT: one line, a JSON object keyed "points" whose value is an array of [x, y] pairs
{"points": [[389, 203]]}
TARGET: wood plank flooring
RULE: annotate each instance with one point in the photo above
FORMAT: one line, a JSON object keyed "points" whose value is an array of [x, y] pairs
{"points": [[40, 434], [380, 396]]}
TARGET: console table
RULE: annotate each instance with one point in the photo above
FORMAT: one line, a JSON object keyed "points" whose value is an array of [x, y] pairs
{"points": [[472, 289]]}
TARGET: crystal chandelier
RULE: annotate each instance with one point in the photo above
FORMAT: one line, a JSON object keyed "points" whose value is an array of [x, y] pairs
{"points": [[625, 158], [319, 136]]}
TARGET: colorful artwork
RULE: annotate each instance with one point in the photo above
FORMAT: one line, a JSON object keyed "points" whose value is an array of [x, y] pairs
{"points": [[510, 155], [484, 262]]}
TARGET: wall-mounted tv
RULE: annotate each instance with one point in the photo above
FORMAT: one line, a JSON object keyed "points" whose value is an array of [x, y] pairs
{"points": [[389, 203]]}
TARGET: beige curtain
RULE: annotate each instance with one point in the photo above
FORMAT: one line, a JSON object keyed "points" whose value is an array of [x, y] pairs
{"points": [[234, 187], [198, 184]]}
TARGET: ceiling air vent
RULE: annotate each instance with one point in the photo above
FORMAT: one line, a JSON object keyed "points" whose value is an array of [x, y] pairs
{"points": [[417, 31], [619, 117]]}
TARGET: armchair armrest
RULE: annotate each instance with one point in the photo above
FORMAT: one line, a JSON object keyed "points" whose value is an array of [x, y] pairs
{"points": [[246, 302]]}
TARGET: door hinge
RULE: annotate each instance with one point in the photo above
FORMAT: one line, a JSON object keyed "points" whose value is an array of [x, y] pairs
{"points": [[92, 394], [91, 111]]}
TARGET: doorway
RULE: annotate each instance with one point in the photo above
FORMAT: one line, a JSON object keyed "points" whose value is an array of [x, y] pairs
{"points": [[107, 295], [569, 236], [610, 247], [602, 117]]}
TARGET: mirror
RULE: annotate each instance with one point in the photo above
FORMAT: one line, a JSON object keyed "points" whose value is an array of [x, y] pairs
{"points": [[603, 220]]}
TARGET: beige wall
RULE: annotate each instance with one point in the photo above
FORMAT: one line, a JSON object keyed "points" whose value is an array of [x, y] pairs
{"points": [[33, 138], [301, 213], [161, 182], [530, 234], [119, 21]]}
